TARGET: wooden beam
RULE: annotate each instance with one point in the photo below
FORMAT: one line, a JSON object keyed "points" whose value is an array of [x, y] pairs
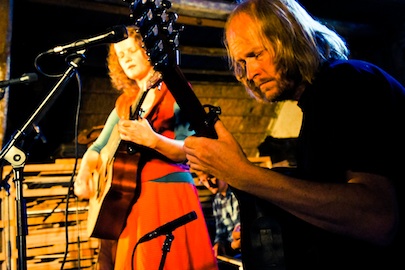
{"points": [[196, 21], [99, 6], [191, 12], [201, 51], [218, 10]]}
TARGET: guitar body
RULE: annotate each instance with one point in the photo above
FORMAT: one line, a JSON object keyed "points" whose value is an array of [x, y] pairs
{"points": [[261, 233], [114, 185], [115, 181]]}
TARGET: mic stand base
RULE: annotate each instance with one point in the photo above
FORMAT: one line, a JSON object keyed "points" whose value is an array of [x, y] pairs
{"points": [[22, 229]]}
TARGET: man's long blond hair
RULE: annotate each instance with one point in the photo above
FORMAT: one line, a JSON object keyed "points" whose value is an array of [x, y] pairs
{"points": [[300, 43]]}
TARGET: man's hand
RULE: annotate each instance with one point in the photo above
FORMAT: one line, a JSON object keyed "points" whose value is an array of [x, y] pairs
{"points": [[219, 157]]}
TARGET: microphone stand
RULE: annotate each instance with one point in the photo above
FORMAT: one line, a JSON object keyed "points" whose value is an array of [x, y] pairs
{"points": [[166, 248], [17, 157]]}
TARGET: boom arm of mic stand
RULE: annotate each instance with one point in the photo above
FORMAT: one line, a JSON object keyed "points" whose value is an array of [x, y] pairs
{"points": [[17, 158]]}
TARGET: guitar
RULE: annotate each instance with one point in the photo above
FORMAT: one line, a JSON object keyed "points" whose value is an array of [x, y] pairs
{"points": [[160, 37], [114, 182]]}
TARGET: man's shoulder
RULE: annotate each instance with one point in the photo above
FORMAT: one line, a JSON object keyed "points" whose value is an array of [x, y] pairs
{"points": [[355, 68]]}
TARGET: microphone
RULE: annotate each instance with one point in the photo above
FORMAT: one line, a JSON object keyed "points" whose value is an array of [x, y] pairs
{"points": [[169, 227], [113, 35], [25, 78]]}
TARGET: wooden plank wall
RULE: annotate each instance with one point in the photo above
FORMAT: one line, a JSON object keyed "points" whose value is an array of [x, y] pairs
{"points": [[246, 119], [45, 192]]}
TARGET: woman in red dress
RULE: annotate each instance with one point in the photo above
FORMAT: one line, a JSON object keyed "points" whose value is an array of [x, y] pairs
{"points": [[165, 185]]}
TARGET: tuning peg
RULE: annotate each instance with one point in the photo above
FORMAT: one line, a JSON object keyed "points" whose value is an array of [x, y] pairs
{"points": [[169, 16], [166, 4]]}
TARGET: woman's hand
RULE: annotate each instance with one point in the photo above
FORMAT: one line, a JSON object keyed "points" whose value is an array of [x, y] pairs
{"points": [[83, 185], [138, 131], [141, 133]]}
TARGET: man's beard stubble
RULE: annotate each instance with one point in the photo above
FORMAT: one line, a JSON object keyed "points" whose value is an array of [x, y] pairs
{"points": [[285, 91]]}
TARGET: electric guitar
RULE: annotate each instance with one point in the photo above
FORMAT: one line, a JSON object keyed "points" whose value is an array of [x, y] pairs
{"points": [[114, 182]]}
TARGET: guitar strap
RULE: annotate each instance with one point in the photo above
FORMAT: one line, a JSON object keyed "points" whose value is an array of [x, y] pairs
{"points": [[153, 112]]}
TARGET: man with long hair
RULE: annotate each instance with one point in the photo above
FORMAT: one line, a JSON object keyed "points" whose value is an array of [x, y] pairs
{"points": [[342, 207]]}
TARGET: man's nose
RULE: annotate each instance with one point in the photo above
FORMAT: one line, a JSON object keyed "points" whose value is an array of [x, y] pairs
{"points": [[252, 67]]}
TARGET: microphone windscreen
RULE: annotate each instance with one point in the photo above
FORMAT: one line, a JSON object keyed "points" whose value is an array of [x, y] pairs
{"points": [[32, 77], [119, 33]]}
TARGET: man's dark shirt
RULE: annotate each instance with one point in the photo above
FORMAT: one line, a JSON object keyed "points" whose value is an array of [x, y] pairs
{"points": [[353, 118]]}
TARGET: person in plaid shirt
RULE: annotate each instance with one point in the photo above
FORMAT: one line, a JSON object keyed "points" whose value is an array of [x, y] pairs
{"points": [[225, 208]]}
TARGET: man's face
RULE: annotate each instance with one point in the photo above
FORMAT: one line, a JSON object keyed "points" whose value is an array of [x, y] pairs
{"points": [[254, 62]]}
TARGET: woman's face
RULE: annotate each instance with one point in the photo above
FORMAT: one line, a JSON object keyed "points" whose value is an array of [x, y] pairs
{"points": [[132, 59]]}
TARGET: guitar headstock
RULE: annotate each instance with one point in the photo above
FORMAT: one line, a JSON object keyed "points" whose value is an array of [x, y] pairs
{"points": [[159, 31], [160, 35]]}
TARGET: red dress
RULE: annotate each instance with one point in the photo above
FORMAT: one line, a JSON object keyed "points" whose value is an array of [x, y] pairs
{"points": [[167, 192]]}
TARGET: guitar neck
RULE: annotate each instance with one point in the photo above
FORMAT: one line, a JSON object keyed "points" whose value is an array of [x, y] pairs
{"points": [[201, 121], [160, 37]]}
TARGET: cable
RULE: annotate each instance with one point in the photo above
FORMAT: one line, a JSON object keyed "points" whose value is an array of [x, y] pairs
{"points": [[133, 254], [71, 182]]}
